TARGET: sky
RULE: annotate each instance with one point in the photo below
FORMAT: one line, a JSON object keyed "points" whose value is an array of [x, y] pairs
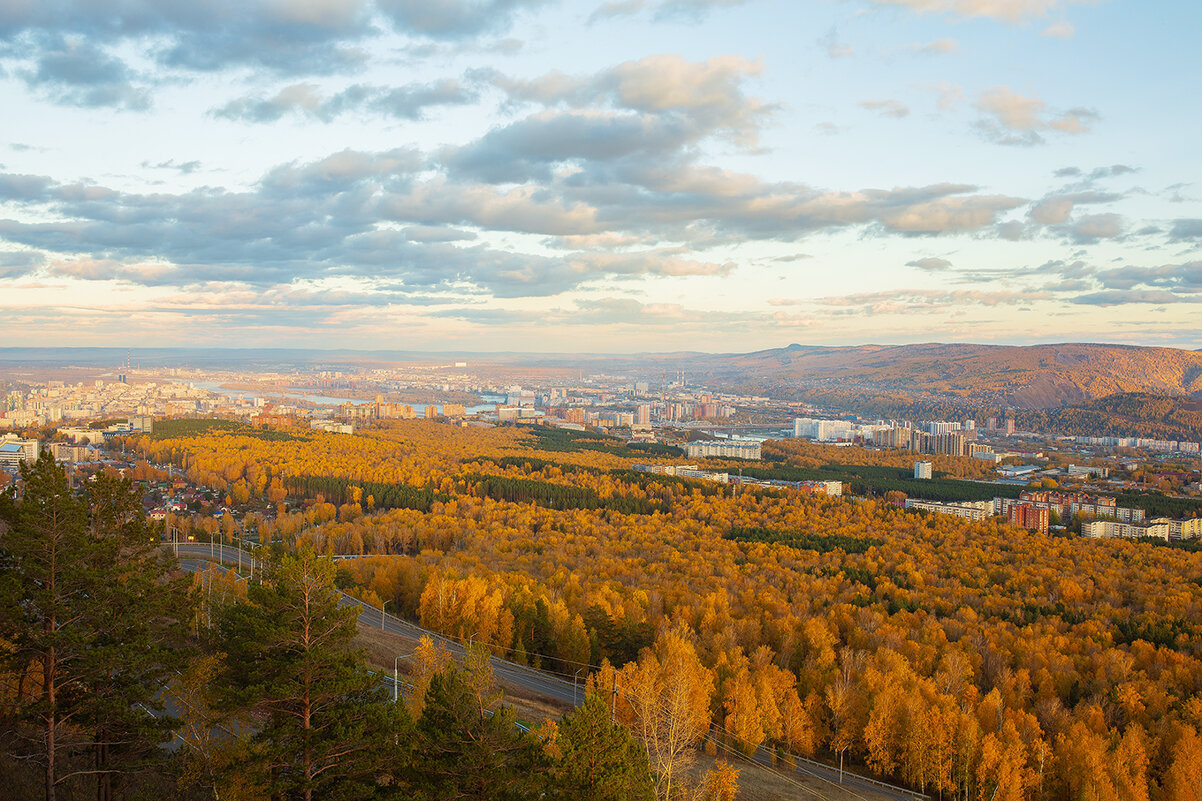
{"points": [[599, 175]]}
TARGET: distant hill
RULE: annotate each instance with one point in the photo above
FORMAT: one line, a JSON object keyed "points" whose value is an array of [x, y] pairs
{"points": [[1123, 415], [1024, 377]]}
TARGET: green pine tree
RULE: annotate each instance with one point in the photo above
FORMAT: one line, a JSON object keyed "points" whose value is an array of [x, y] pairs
{"points": [[139, 617], [464, 750], [600, 760], [328, 727], [94, 627]]}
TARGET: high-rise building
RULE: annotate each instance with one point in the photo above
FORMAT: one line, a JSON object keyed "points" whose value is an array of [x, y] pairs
{"points": [[922, 470], [642, 415], [1009, 426], [920, 441], [1028, 516], [892, 437], [951, 443]]}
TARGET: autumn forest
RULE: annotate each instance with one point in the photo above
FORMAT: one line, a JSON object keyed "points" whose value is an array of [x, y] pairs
{"points": [[965, 660]]}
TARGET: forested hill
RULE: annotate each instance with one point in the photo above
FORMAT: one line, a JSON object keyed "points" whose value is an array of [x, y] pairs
{"points": [[1025, 377], [1123, 415], [968, 375]]}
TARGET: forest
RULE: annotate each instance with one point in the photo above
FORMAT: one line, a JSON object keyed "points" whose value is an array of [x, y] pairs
{"points": [[968, 660], [123, 678]]}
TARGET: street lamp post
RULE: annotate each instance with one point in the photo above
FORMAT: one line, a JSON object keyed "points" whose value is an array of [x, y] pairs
{"points": [[252, 546], [574, 675], [384, 604]]}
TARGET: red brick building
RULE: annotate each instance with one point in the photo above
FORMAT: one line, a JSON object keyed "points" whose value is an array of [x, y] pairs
{"points": [[1029, 516]]}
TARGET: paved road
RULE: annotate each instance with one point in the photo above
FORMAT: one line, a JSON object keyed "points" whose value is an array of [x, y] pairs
{"points": [[194, 555], [535, 681]]}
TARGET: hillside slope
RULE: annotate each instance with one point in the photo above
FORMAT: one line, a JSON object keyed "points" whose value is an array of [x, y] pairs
{"points": [[1029, 377]]}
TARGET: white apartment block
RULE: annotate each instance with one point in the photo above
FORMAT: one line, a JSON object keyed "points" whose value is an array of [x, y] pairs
{"points": [[734, 449]]}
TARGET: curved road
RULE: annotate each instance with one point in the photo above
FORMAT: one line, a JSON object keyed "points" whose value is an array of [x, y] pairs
{"points": [[527, 678], [193, 555]]}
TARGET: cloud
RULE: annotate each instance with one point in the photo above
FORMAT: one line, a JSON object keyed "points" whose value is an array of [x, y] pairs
{"points": [[380, 216], [455, 19], [437, 233], [833, 47], [1012, 110], [664, 10], [1186, 230], [632, 313], [650, 109], [930, 264], [16, 263], [886, 108], [616, 8], [693, 10], [709, 92], [1052, 210], [1011, 230], [308, 37], [1094, 175], [1060, 30], [409, 101], [1123, 297], [525, 151], [938, 47], [950, 95], [90, 269], [78, 73], [948, 213], [1056, 209], [1001, 10], [26, 188], [186, 168], [900, 301], [1014, 119], [1184, 278], [1093, 227]]}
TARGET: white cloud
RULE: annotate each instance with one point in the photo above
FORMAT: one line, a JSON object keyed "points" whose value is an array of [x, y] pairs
{"points": [[886, 108], [930, 264], [951, 95], [1060, 30], [1012, 118], [1001, 10]]}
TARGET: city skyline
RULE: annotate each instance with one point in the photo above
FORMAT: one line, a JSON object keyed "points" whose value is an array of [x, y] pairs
{"points": [[609, 177]]}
